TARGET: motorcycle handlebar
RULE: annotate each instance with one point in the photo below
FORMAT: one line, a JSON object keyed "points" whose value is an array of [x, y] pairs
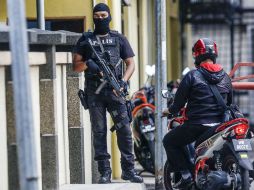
{"points": [[169, 116]]}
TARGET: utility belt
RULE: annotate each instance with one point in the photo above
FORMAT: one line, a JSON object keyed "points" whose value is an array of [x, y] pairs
{"points": [[92, 85], [83, 94]]}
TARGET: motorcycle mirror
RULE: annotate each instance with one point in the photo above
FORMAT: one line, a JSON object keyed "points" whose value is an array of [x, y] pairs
{"points": [[150, 70], [165, 94]]}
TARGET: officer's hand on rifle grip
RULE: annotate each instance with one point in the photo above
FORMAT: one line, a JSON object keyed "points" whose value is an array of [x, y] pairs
{"points": [[124, 85], [92, 66]]}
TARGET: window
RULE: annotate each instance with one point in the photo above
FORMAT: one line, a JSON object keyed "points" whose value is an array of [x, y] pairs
{"points": [[73, 25]]}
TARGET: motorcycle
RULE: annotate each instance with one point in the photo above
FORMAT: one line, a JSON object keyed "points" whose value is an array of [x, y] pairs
{"points": [[143, 125], [144, 122], [220, 157]]}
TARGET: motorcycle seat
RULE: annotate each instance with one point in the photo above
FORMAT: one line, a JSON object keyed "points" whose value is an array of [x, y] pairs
{"points": [[206, 135]]}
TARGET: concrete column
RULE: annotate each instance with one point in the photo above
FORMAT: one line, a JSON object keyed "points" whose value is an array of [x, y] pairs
{"points": [[13, 167], [115, 6], [143, 40], [151, 35], [35, 59], [131, 32], [76, 155], [49, 162], [49, 125], [3, 133], [81, 164], [75, 129], [116, 24], [13, 177]]}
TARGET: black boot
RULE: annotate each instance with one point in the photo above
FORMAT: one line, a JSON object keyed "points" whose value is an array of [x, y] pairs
{"points": [[185, 181], [105, 177], [132, 176]]}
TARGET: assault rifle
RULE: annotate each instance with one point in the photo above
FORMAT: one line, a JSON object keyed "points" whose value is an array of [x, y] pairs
{"points": [[108, 75]]}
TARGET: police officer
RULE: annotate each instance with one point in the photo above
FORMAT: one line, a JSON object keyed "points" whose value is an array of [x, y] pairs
{"points": [[118, 48]]}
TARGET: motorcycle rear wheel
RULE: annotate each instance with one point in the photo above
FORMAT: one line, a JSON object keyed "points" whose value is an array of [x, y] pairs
{"points": [[151, 145], [146, 163], [229, 163], [170, 178]]}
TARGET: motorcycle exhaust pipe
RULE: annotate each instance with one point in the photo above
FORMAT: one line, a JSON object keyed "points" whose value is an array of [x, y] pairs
{"points": [[217, 180]]}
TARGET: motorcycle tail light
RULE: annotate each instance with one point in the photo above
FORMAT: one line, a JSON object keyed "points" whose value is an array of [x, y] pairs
{"points": [[146, 121], [201, 164], [240, 130]]}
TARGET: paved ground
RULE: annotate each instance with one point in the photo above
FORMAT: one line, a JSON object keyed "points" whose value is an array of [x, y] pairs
{"points": [[113, 186], [149, 184], [150, 180]]}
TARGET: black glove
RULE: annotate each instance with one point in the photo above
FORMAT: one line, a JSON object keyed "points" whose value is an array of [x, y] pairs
{"points": [[92, 66], [124, 85]]}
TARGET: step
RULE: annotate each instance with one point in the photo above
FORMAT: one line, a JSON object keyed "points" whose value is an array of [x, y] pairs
{"points": [[112, 186]]}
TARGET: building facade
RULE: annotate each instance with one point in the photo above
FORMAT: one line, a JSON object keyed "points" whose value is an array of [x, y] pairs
{"points": [[230, 24], [136, 20]]}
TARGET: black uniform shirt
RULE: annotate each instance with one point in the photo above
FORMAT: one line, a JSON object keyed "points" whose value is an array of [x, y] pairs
{"points": [[125, 48]]}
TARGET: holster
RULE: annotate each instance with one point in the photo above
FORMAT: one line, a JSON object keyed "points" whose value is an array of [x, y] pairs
{"points": [[130, 107], [83, 98]]}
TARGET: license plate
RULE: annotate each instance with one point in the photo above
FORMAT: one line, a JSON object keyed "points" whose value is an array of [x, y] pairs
{"points": [[147, 128], [242, 145]]}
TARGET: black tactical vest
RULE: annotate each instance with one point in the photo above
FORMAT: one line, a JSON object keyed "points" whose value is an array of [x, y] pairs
{"points": [[111, 44]]}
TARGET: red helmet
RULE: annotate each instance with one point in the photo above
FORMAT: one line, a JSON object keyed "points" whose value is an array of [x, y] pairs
{"points": [[204, 49]]}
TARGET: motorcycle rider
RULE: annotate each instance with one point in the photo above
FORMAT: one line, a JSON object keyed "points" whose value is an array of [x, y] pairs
{"points": [[202, 109]]}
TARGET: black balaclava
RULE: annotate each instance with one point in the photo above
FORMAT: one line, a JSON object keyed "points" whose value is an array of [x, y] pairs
{"points": [[101, 25]]}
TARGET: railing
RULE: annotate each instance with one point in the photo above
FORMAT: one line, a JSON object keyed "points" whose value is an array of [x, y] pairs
{"points": [[235, 80], [231, 2]]}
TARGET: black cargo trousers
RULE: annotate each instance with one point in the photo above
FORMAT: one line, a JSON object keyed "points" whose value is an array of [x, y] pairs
{"points": [[98, 105], [175, 143]]}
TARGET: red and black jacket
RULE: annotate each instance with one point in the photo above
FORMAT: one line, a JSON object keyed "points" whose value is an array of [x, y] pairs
{"points": [[202, 107]]}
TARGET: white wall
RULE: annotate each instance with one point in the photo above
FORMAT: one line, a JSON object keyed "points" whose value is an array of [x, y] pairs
{"points": [[35, 59], [3, 133], [62, 59], [34, 79], [248, 3], [85, 122]]}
